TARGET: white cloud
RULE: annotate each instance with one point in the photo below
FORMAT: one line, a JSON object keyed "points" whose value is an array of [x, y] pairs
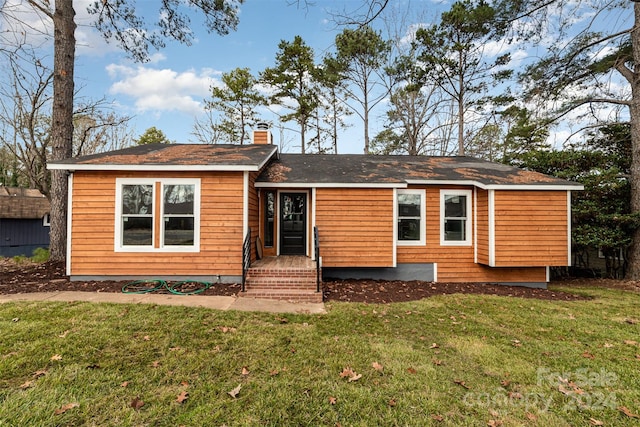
{"points": [[158, 90]]}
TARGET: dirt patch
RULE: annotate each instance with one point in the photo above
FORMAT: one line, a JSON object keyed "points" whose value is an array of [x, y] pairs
{"points": [[25, 277]]}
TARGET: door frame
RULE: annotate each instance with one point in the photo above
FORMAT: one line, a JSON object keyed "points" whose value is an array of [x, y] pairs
{"points": [[306, 219]]}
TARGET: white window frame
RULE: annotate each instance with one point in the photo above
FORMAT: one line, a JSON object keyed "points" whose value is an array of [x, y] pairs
{"points": [[423, 218], [469, 218], [46, 220], [157, 211]]}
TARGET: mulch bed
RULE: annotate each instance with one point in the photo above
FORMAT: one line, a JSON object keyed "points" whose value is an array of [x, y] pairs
{"points": [[25, 277]]}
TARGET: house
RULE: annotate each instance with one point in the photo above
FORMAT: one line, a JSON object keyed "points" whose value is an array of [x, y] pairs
{"points": [[24, 221], [184, 211]]}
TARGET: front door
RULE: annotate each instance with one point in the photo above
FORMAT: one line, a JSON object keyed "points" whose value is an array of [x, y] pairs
{"points": [[293, 223]]}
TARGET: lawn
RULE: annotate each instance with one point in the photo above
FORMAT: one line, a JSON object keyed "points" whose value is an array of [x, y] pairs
{"points": [[447, 361]]}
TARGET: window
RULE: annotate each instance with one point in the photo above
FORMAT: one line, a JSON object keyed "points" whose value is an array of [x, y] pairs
{"points": [[46, 220], [455, 220], [177, 215], [411, 218]]}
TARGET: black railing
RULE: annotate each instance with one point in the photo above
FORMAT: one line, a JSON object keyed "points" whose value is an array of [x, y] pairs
{"points": [[246, 257], [316, 247]]}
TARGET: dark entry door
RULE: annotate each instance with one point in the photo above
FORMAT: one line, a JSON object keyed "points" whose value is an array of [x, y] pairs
{"points": [[293, 223]]}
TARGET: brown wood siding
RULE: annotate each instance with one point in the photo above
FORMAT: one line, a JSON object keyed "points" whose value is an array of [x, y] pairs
{"points": [[94, 223], [530, 228], [355, 227], [254, 217], [482, 226], [456, 263]]}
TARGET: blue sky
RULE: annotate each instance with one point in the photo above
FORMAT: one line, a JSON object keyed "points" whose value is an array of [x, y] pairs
{"points": [[168, 91]]}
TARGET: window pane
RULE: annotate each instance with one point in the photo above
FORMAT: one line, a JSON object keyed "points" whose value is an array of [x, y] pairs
{"points": [[137, 231], [270, 206], [178, 231], [455, 229], [137, 199], [409, 205], [455, 206], [408, 229], [178, 199]]}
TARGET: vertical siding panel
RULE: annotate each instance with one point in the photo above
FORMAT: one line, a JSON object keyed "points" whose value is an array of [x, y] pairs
{"points": [[531, 228], [355, 226], [483, 226], [94, 222]]}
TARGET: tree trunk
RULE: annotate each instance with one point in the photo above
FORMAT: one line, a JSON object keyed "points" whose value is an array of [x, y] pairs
{"points": [[633, 272], [62, 121]]}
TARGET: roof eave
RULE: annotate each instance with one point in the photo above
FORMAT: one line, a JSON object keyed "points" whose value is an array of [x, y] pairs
{"points": [[485, 186]]}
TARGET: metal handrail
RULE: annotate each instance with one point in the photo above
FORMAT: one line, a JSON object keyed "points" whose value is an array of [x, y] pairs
{"points": [[246, 257], [316, 246]]}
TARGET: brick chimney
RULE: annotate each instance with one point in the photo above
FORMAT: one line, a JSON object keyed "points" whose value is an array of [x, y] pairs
{"points": [[262, 134]]}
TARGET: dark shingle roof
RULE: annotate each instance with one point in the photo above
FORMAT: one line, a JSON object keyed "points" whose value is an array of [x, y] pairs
{"points": [[163, 156], [353, 169], [22, 203]]}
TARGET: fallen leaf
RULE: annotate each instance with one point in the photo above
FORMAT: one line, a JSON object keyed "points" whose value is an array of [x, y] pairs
{"points": [[39, 373], [245, 371], [595, 422], [65, 408], [378, 367], [124, 384], [437, 417], [15, 319], [146, 338], [392, 402], [155, 363], [274, 372], [332, 400], [631, 321], [572, 317], [630, 342], [531, 416], [282, 319], [136, 403], [182, 396], [56, 357], [516, 343], [437, 362], [563, 390], [494, 423], [355, 377], [505, 383], [26, 384], [234, 393], [411, 370], [64, 334], [93, 366], [461, 383], [627, 412], [607, 345], [346, 372], [588, 355], [434, 345], [515, 395]]}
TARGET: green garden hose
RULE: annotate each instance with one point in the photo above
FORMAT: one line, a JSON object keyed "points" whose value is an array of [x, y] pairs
{"points": [[187, 287]]}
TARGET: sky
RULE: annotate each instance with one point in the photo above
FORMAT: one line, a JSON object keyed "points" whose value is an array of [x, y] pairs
{"points": [[168, 91]]}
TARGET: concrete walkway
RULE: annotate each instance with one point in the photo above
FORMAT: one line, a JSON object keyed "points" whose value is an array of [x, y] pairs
{"points": [[212, 302]]}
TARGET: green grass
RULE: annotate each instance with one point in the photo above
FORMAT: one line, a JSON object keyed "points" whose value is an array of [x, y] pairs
{"points": [[447, 361]]}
